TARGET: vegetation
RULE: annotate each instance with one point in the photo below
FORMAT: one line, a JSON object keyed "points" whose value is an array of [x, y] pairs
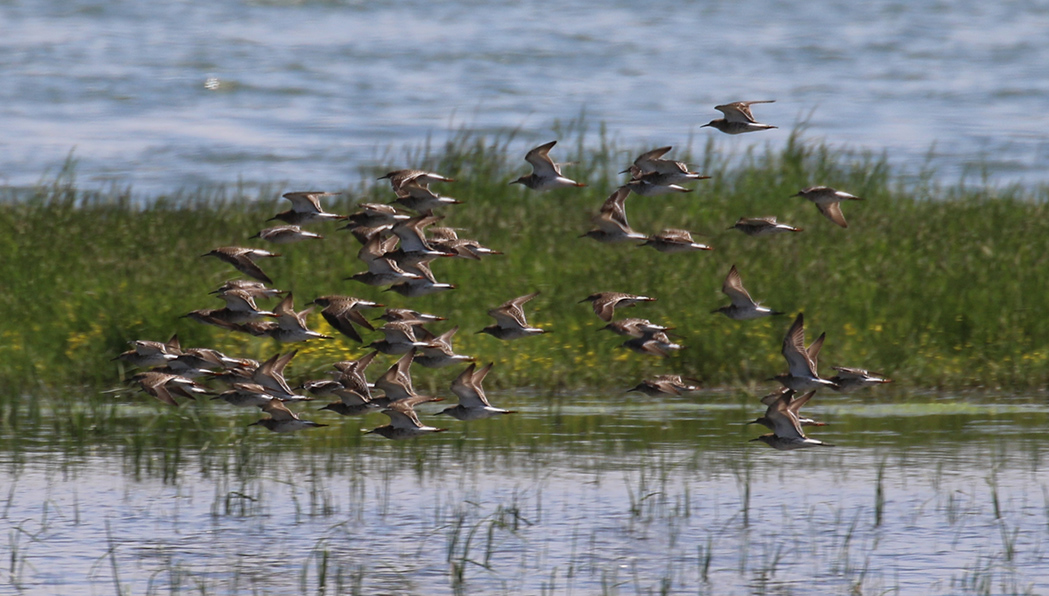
{"points": [[936, 286]]}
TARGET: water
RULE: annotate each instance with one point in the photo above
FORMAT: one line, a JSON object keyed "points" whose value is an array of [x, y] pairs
{"points": [[307, 93], [632, 499]]}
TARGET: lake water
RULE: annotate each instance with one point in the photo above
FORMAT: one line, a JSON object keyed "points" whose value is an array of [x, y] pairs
{"points": [[605, 494], [179, 94]]}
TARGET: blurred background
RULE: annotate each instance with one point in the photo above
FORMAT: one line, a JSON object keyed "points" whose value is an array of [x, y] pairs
{"points": [[174, 95]]}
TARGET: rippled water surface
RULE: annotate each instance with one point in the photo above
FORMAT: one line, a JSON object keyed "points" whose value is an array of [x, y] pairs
{"points": [[595, 495], [305, 93]]}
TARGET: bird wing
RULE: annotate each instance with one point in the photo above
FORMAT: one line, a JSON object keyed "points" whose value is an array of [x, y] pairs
{"points": [[832, 211], [794, 350], [542, 165], [733, 288]]}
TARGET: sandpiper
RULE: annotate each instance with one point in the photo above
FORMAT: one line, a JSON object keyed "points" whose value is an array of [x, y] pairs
{"points": [[738, 118], [351, 403], [849, 379], [605, 303], [421, 199], [655, 184], [374, 215], [473, 404], [291, 325], [161, 385], [286, 235], [652, 162], [420, 178], [283, 420], [510, 320], [654, 343], [406, 314], [828, 201], [634, 327], [270, 374], [404, 422], [786, 431], [438, 351], [546, 175], [666, 385], [146, 353], [243, 259], [611, 222], [245, 395], [762, 226], [306, 208], [423, 284], [351, 374], [399, 338], [802, 374], [794, 406], [673, 240], [743, 307], [256, 289], [342, 312]]}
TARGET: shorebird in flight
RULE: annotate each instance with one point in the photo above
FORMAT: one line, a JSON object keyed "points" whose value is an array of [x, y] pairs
{"points": [[672, 240], [510, 321], [762, 226], [473, 404], [404, 422], [738, 118], [786, 429], [801, 361], [546, 175], [283, 420], [605, 303], [743, 306], [828, 201]]}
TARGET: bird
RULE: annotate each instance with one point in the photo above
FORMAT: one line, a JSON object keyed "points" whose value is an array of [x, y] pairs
{"points": [[828, 201], [243, 260], [473, 404], [351, 403], [738, 118], [256, 289], [438, 352], [546, 175], [611, 223], [655, 184], [286, 235], [404, 422], [246, 395], [270, 375], [652, 162], [283, 420], [421, 199], [306, 208], [849, 379], [794, 406], [342, 312], [653, 343], [605, 303], [634, 327], [145, 353], [762, 226], [665, 385], [157, 384], [407, 314], [743, 307], [399, 338], [421, 178], [510, 320], [786, 430], [374, 215], [802, 374], [396, 382], [423, 284], [291, 325], [671, 240]]}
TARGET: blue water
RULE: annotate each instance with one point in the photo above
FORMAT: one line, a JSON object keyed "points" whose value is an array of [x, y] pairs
{"points": [[310, 92]]}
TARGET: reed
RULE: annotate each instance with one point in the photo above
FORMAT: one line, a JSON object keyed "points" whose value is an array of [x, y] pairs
{"points": [[936, 285]]}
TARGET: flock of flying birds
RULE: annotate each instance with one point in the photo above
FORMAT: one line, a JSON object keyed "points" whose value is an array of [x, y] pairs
{"points": [[397, 247]]}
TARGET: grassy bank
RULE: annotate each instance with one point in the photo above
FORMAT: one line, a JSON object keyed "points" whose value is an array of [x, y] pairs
{"points": [[936, 286]]}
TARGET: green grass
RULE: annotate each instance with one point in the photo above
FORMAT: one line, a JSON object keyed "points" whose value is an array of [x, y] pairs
{"points": [[938, 286]]}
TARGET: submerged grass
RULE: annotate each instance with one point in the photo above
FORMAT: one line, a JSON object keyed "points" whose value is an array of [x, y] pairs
{"points": [[937, 286]]}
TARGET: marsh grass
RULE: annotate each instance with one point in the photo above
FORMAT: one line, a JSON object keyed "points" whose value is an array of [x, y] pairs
{"points": [[938, 286]]}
